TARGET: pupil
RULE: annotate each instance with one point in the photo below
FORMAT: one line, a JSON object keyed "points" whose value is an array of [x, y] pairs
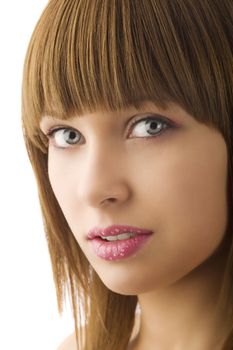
{"points": [[72, 135], [153, 125]]}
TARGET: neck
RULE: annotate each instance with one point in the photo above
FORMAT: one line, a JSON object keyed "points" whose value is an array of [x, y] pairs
{"points": [[184, 315]]}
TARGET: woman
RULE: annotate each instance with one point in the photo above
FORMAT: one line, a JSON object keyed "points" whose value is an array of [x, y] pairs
{"points": [[127, 117]]}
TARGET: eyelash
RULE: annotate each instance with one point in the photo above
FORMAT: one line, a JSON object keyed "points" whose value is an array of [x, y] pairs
{"points": [[164, 121]]}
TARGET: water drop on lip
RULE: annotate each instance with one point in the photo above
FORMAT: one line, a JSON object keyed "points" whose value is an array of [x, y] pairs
{"points": [[119, 249]]}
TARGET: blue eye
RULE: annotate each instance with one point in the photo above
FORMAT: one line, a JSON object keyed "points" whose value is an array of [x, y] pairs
{"points": [[150, 126], [64, 137]]}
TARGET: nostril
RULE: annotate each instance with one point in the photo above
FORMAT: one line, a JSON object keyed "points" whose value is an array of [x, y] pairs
{"points": [[112, 199], [108, 200]]}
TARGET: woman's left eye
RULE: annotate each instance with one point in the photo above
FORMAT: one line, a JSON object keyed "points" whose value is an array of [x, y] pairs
{"points": [[149, 126]]}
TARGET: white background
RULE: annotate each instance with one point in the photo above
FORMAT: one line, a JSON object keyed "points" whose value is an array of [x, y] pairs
{"points": [[29, 319]]}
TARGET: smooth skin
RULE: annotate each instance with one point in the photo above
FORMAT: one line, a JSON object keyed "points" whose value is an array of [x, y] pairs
{"points": [[174, 183]]}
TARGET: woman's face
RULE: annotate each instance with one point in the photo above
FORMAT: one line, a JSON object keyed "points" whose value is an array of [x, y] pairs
{"points": [[167, 174]]}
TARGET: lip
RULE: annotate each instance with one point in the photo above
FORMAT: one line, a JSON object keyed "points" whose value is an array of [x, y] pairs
{"points": [[114, 230], [119, 249]]}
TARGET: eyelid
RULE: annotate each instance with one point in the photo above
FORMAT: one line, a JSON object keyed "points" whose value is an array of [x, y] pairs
{"points": [[163, 117], [145, 116], [53, 129]]}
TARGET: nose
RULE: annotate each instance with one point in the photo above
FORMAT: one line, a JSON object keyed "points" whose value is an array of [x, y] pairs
{"points": [[104, 178]]}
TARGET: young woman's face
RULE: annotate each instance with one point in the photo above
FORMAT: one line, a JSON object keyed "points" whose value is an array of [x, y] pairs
{"points": [[167, 174]]}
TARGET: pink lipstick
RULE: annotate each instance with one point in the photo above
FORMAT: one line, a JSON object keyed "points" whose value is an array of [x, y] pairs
{"points": [[118, 241]]}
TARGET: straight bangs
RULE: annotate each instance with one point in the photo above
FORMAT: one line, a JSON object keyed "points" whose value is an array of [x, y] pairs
{"points": [[87, 55]]}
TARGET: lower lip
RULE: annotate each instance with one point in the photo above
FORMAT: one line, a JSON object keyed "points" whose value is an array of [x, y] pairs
{"points": [[117, 250]]}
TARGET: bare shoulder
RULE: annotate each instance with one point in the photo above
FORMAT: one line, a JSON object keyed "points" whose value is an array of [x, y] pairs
{"points": [[69, 343]]}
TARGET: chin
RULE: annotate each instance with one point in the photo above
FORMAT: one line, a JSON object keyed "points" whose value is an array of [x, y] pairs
{"points": [[127, 287]]}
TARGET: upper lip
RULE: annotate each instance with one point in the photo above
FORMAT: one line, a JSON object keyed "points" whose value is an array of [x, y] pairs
{"points": [[114, 230]]}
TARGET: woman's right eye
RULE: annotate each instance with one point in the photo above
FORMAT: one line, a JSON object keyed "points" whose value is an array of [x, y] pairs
{"points": [[64, 137]]}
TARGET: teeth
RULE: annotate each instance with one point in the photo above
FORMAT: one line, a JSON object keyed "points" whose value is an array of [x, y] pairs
{"points": [[118, 237]]}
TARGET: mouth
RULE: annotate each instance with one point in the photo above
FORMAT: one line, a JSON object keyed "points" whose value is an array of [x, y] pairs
{"points": [[117, 232], [120, 237], [118, 241]]}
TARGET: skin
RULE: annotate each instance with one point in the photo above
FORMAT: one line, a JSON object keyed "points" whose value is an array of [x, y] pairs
{"points": [[174, 184]]}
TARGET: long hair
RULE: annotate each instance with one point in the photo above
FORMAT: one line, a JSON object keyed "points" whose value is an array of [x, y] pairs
{"points": [[113, 54]]}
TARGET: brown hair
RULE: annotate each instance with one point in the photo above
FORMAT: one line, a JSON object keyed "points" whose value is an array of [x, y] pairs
{"points": [[85, 55]]}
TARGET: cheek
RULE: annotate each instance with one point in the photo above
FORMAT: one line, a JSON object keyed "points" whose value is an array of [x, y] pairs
{"points": [[195, 201], [59, 177]]}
